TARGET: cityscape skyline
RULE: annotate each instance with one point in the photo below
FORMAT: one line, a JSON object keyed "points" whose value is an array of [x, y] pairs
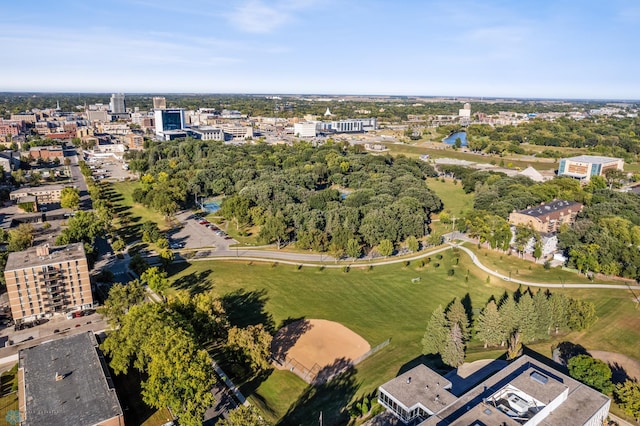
{"points": [[543, 50]]}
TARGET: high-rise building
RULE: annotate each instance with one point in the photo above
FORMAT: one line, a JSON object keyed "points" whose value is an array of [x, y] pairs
{"points": [[117, 105], [168, 119], [44, 281], [159, 102]]}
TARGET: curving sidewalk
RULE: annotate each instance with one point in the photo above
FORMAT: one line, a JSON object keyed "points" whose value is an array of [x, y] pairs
{"points": [[476, 262], [299, 259]]}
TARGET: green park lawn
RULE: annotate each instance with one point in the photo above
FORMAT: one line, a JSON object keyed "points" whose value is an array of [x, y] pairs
{"points": [[137, 213], [8, 394], [454, 199], [378, 304]]}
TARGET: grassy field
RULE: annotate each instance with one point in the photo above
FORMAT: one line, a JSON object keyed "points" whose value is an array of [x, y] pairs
{"points": [[528, 271], [8, 394], [377, 304], [439, 151], [137, 213]]}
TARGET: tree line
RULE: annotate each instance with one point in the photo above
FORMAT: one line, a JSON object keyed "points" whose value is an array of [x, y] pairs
{"points": [[619, 137], [513, 320]]}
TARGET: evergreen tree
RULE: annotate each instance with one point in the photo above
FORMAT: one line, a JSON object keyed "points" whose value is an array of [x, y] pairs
{"points": [[456, 314], [559, 307], [543, 312], [435, 337], [453, 351], [490, 326], [509, 314], [527, 318]]}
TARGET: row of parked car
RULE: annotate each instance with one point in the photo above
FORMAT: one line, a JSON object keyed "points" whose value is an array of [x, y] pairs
{"points": [[214, 228]]}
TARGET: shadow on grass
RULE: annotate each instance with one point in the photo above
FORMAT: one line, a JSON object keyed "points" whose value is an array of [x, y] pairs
{"points": [[194, 283], [285, 338], [567, 350], [330, 399], [245, 308]]}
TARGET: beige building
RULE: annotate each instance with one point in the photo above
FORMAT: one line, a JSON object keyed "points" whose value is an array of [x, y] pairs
{"points": [[133, 141], [45, 194], [44, 281], [66, 382], [547, 218]]}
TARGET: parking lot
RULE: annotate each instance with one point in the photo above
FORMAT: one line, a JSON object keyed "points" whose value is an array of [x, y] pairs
{"points": [[109, 168], [192, 234]]}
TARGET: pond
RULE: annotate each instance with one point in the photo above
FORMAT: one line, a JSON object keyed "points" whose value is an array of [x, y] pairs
{"points": [[451, 139], [211, 206]]}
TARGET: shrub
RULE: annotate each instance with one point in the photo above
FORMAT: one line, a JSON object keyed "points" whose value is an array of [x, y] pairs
{"points": [[407, 263], [451, 272], [345, 269], [421, 263], [370, 268], [547, 265], [436, 265], [321, 268], [439, 256], [274, 264], [299, 266]]}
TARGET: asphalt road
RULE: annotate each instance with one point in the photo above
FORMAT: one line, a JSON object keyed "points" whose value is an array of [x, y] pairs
{"points": [[78, 179]]}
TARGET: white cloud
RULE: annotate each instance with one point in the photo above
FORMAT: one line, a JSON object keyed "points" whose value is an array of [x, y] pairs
{"points": [[255, 16]]}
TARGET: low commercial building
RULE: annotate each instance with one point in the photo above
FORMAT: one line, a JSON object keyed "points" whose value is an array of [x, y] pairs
{"points": [[48, 152], [207, 133], [584, 166], [305, 130], [67, 382], [44, 281], [548, 217], [45, 194], [526, 392]]}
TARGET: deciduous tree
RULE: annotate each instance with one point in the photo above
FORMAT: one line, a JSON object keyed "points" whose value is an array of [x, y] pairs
{"points": [[592, 372]]}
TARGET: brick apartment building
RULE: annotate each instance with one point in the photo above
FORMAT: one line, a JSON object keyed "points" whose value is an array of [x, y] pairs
{"points": [[44, 281]]}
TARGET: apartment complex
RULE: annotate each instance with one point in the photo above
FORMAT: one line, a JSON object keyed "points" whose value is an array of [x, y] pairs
{"points": [[67, 382], [525, 392], [584, 166], [44, 281], [547, 218]]}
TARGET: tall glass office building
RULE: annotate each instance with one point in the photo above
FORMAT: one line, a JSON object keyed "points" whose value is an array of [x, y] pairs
{"points": [[169, 119]]}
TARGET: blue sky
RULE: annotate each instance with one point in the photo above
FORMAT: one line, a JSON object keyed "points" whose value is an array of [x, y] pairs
{"points": [[504, 48]]}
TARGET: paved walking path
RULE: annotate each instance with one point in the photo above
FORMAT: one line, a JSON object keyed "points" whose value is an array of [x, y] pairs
{"points": [[302, 259], [475, 260]]}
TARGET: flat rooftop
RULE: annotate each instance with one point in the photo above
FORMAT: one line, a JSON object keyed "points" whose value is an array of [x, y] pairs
{"points": [[421, 385], [595, 159], [523, 376], [548, 208], [83, 397], [30, 259]]}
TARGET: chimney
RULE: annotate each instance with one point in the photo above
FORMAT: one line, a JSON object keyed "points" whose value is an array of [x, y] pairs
{"points": [[409, 380], [59, 377], [42, 250]]}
